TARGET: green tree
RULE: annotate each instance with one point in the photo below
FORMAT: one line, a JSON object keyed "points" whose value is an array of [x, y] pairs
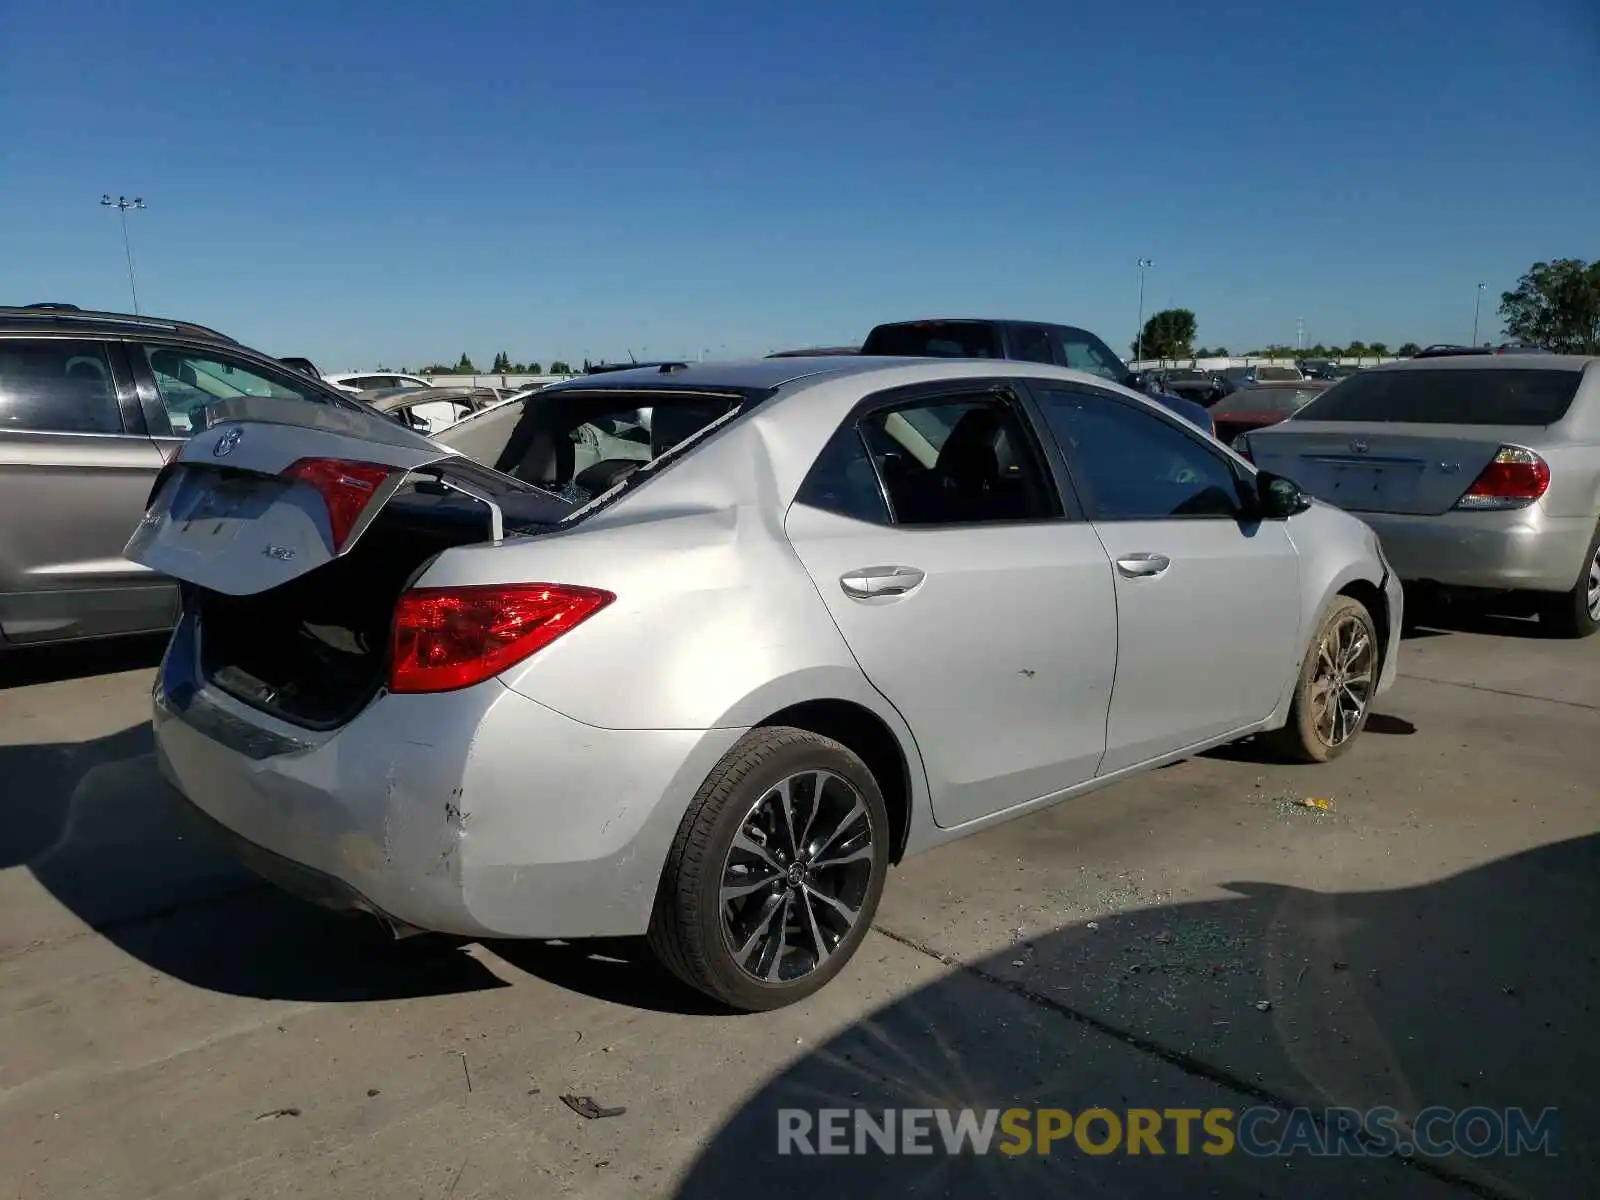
{"points": [[1381, 349], [502, 364], [465, 367], [1409, 350], [533, 369], [1221, 352], [558, 367], [1556, 306], [436, 369], [1356, 349], [1168, 334]]}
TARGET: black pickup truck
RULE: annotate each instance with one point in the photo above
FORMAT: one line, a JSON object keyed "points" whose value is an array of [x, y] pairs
{"points": [[1028, 341]]}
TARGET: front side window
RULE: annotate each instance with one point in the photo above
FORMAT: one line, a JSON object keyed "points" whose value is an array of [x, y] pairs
{"points": [[56, 386], [1135, 465], [960, 460], [190, 381], [1032, 344]]}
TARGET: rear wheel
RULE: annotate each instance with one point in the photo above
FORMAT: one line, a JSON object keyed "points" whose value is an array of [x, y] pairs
{"points": [[776, 871], [1333, 695], [1576, 613]]}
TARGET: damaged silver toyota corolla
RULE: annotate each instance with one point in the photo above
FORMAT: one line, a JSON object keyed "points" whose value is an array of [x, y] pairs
{"points": [[698, 651]]}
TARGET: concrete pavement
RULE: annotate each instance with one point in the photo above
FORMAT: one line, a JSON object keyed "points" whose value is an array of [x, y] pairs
{"points": [[1425, 939]]}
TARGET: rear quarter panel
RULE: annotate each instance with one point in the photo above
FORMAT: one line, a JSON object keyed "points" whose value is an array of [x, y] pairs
{"points": [[716, 622]]}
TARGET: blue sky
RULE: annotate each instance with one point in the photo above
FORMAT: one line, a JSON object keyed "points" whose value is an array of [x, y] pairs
{"points": [[405, 181]]}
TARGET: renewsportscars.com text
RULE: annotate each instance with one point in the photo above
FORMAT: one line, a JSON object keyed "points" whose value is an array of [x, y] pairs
{"points": [[1260, 1132]]}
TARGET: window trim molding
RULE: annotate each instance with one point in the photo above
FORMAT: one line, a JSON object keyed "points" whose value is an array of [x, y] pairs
{"points": [[1160, 414]]}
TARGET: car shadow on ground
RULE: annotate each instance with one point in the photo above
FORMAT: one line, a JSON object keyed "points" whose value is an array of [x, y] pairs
{"points": [[1498, 616], [1475, 990], [24, 666], [1260, 749], [104, 834], [617, 970]]}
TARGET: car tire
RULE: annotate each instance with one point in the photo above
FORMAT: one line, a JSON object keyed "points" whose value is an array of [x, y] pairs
{"points": [[788, 887], [1312, 733], [1576, 613]]}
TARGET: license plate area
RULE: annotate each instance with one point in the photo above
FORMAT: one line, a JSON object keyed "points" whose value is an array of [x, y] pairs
{"points": [[1367, 484]]}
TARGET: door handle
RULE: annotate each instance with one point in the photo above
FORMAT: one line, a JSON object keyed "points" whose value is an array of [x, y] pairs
{"points": [[872, 583], [1142, 566]]}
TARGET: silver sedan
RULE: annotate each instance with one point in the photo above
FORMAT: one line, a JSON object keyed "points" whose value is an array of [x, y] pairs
{"points": [[698, 652], [1478, 472]]}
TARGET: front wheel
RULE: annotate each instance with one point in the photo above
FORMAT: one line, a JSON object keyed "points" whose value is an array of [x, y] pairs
{"points": [[1333, 694], [776, 871]]}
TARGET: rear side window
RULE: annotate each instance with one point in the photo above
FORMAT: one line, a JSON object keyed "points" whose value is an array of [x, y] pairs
{"points": [[57, 387], [190, 381], [1278, 374], [935, 339], [1449, 397], [844, 481]]}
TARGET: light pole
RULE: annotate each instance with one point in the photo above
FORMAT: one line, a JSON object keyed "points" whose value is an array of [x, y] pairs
{"points": [[1138, 338], [122, 204], [1477, 304]]}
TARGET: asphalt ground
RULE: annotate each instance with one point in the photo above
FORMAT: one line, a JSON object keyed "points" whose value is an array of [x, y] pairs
{"points": [[1420, 936]]}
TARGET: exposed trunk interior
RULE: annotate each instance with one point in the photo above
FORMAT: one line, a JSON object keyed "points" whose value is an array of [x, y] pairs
{"points": [[315, 650]]}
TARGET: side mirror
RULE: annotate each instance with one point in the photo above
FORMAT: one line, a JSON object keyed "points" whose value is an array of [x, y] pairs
{"points": [[1277, 498]]}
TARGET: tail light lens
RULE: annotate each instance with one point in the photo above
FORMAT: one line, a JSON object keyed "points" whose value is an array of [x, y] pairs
{"points": [[448, 638], [1514, 478], [346, 489]]}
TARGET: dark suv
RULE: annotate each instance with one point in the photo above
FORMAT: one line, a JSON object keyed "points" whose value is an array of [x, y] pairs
{"points": [[1027, 341], [91, 406]]}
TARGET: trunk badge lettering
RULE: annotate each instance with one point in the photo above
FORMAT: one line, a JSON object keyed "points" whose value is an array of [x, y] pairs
{"points": [[1450, 468], [281, 553], [225, 444], [1358, 446]]}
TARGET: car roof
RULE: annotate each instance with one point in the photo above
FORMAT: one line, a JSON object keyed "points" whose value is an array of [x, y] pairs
{"points": [[1490, 362], [61, 319], [769, 374]]}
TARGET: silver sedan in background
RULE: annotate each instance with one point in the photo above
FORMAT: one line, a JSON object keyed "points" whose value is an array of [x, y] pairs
{"points": [[1479, 471], [706, 676]]}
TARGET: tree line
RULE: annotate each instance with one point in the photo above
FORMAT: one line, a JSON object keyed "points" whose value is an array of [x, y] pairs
{"points": [[502, 365], [1555, 306]]}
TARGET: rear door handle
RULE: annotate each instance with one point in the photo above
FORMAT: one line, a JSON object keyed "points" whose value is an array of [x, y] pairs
{"points": [[873, 583], [1142, 566]]}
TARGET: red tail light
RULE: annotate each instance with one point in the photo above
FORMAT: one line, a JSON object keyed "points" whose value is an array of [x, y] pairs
{"points": [[346, 488], [1514, 478], [447, 638]]}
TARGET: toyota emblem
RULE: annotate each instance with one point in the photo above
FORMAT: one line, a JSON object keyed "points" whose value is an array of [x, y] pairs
{"points": [[1358, 446], [227, 442]]}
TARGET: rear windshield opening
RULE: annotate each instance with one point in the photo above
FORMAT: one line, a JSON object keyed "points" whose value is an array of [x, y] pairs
{"points": [[934, 339], [1449, 397], [1266, 400], [582, 443]]}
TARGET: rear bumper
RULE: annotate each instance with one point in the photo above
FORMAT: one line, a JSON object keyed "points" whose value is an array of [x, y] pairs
{"points": [[1519, 550], [479, 812]]}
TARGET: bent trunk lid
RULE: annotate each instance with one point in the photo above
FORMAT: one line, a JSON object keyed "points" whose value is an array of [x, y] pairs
{"points": [[1419, 470], [225, 516]]}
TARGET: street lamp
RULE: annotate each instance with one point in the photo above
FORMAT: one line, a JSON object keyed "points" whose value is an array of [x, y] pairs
{"points": [[1138, 338], [1477, 304], [122, 204]]}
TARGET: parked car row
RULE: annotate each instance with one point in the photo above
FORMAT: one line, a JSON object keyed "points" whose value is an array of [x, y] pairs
{"points": [[459, 679]]}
